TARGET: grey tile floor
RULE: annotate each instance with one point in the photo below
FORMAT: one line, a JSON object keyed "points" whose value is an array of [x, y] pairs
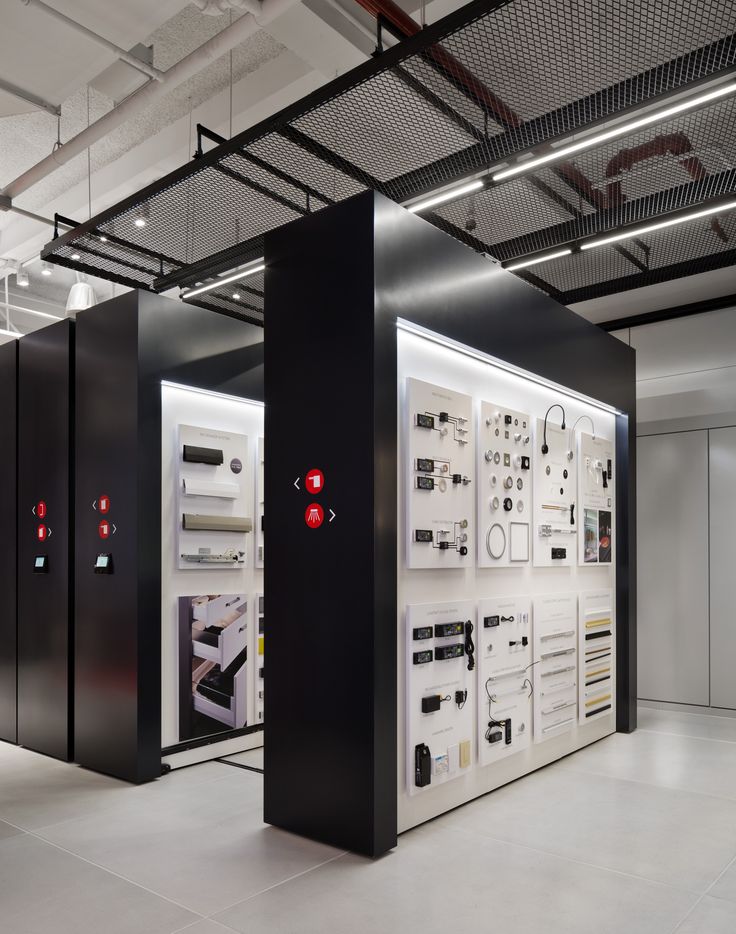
{"points": [[636, 834]]}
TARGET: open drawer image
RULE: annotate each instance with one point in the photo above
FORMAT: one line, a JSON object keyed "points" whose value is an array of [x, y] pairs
{"points": [[219, 627], [221, 693]]}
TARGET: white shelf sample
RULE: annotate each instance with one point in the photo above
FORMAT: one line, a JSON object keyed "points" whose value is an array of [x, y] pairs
{"points": [[504, 489], [597, 655], [439, 497], [260, 498], [555, 665], [504, 677], [448, 731], [198, 486], [596, 472], [556, 519]]}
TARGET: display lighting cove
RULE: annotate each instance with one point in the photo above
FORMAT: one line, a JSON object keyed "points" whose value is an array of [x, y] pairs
{"points": [[450, 194], [21, 278], [225, 280], [46, 268], [623, 129], [10, 333], [538, 259], [435, 338], [211, 393]]}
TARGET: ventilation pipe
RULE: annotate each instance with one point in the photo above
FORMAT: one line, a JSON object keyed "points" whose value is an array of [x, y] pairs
{"points": [[258, 17]]}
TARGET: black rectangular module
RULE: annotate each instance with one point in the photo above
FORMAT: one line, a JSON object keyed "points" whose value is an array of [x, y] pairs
{"points": [[525, 462], [490, 621], [443, 652], [494, 736], [424, 421], [425, 464], [194, 455], [507, 419], [421, 658], [592, 713], [443, 546], [425, 483], [423, 535], [422, 766], [442, 630], [431, 703], [507, 731], [444, 417], [559, 553], [609, 469], [422, 632], [598, 635]]}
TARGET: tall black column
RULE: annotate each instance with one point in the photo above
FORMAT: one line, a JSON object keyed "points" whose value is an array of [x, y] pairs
{"points": [[45, 539], [8, 541]]}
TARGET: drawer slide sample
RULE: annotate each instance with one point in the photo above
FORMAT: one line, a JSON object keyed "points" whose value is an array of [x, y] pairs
{"points": [[197, 523], [196, 487], [197, 455]]}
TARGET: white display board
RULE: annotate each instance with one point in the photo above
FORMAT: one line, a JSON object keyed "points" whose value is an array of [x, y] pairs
{"points": [[596, 472], [504, 492], [504, 647], [260, 500], [555, 665], [214, 421], [481, 388], [445, 734], [556, 520], [439, 493], [211, 493], [597, 655]]}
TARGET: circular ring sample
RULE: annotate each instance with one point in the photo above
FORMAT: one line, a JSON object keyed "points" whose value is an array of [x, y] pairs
{"points": [[496, 541], [442, 485], [494, 479], [508, 504], [519, 483], [520, 506], [494, 503], [496, 458]]}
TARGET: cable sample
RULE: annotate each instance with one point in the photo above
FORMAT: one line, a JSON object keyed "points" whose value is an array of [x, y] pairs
{"points": [[556, 405]]}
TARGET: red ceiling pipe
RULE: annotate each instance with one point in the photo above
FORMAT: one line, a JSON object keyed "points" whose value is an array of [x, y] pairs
{"points": [[677, 144], [392, 13]]}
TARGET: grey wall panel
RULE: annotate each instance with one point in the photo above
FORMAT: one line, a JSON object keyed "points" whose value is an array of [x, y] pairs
{"points": [[672, 524], [722, 577]]}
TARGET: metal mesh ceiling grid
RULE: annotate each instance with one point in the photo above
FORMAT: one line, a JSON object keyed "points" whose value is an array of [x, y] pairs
{"points": [[248, 305], [440, 113]]}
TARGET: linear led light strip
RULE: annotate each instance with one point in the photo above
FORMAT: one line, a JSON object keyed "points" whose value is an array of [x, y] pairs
{"points": [[15, 334], [624, 129], [225, 280]]}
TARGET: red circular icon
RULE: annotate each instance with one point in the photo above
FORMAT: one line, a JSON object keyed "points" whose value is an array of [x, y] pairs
{"points": [[315, 480], [103, 503], [104, 529], [41, 509], [314, 515], [42, 532]]}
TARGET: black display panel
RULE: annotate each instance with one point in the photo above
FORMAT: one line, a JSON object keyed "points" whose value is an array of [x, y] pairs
{"points": [[45, 539], [8, 543]]}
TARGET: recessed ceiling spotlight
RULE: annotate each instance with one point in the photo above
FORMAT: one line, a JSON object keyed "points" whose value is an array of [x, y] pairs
{"points": [[103, 238], [46, 268], [142, 215], [21, 278], [140, 222], [236, 296], [76, 256]]}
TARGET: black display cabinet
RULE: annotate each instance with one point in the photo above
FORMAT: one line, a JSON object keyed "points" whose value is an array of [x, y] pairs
{"points": [[336, 283], [8, 541]]}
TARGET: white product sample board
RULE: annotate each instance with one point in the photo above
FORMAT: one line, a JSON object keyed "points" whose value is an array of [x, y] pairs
{"points": [[595, 459], [211, 575], [491, 534], [440, 693]]}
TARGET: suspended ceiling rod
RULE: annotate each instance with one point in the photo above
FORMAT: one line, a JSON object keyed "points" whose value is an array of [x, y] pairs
{"points": [[120, 53], [29, 98], [225, 40]]}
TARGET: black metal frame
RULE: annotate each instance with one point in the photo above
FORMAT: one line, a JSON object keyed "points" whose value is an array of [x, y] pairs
{"points": [[517, 136]]}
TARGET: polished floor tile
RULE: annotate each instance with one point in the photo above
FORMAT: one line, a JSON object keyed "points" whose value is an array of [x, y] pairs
{"points": [[657, 833], [207, 926], [725, 887], [205, 847], [7, 830], [442, 880], [710, 916], [687, 724], [44, 890], [693, 764]]}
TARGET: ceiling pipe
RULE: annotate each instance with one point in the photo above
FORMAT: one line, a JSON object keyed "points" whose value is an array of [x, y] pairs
{"points": [[30, 98], [122, 54], [219, 45]]}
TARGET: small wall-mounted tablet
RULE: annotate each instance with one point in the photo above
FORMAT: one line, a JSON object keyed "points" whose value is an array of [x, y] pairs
{"points": [[196, 455], [41, 564], [197, 523], [103, 564]]}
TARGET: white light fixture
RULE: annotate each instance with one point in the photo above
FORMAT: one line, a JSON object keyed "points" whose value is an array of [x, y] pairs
{"points": [[236, 296], [140, 222], [142, 215], [76, 256], [538, 259], [180, 387], [46, 268], [103, 238], [657, 225], [21, 278], [225, 280], [448, 195], [623, 129], [10, 333]]}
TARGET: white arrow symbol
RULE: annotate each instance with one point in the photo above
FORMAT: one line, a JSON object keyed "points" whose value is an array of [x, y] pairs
{"points": [[48, 533], [34, 510], [296, 483], [94, 505], [114, 528], [332, 511]]}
